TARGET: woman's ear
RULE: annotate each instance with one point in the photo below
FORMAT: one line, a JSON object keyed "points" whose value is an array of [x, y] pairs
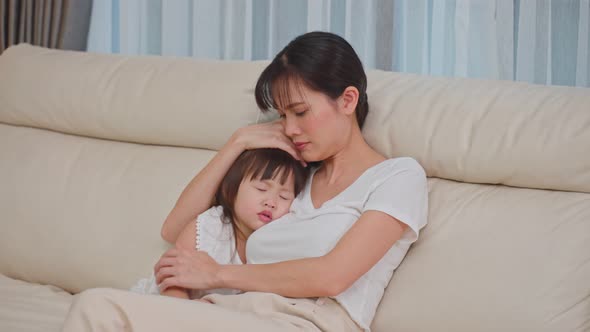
{"points": [[349, 99]]}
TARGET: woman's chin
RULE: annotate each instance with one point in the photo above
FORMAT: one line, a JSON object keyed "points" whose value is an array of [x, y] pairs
{"points": [[311, 156], [310, 159]]}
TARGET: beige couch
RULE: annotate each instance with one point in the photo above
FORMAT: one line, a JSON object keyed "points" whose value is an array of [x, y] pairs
{"points": [[95, 149]]}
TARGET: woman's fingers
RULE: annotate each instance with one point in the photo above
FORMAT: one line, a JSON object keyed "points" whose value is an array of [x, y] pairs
{"points": [[164, 273], [283, 142], [171, 263], [286, 145], [167, 283], [169, 258], [164, 261], [267, 135], [188, 269]]}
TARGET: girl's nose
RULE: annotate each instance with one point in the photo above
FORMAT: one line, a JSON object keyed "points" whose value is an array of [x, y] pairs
{"points": [[270, 203]]}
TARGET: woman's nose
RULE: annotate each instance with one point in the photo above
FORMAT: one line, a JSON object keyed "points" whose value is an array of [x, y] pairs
{"points": [[291, 127]]}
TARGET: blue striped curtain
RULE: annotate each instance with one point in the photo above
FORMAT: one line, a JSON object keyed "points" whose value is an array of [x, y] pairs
{"points": [[539, 41]]}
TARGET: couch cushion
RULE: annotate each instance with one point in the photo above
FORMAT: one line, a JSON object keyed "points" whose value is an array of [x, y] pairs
{"points": [[484, 131], [90, 207], [26, 307], [494, 258]]}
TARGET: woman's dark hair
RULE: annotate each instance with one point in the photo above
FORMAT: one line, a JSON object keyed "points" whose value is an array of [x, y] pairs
{"points": [[322, 61], [261, 164]]}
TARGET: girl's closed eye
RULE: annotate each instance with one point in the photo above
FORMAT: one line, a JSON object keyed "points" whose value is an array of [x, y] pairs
{"points": [[260, 185]]}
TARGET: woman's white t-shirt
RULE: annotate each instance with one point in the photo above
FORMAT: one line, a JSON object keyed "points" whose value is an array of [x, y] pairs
{"points": [[396, 187]]}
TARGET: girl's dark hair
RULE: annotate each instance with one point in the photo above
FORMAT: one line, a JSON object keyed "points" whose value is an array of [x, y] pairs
{"points": [[322, 61], [261, 164]]}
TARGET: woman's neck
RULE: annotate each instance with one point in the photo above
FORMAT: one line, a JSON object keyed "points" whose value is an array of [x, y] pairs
{"points": [[354, 158]]}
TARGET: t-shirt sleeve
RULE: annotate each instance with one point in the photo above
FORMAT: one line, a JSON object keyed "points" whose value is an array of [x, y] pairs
{"points": [[403, 195], [214, 237]]}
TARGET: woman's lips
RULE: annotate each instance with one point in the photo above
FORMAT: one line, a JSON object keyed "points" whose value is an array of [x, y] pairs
{"points": [[301, 145]]}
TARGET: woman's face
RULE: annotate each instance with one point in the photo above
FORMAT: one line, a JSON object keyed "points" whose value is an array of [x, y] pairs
{"points": [[315, 123]]}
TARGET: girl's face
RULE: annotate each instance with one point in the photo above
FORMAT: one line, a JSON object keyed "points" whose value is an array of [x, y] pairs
{"points": [[259, 202], [317, 125]]}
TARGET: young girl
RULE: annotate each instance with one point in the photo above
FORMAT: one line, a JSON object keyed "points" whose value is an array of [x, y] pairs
{"points": [[258, 188]]}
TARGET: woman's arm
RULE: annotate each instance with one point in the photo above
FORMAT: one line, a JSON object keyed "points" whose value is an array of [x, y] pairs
{"points": [[199, 194], [367, 241]]}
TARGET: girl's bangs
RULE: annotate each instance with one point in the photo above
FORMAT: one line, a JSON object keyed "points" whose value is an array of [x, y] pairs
{"points": [[271, 169]]}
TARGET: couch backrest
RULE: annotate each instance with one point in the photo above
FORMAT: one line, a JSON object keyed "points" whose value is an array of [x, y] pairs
{"points": [[484, 131], [467, 130], [116, 139], [148, 100]]}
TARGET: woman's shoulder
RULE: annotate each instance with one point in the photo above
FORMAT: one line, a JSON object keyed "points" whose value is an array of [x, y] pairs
{"points": [[401, 190], [399, 165], [391, 175]]}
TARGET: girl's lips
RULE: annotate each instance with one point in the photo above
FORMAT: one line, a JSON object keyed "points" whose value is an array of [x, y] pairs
{"points": [[265, 217]]}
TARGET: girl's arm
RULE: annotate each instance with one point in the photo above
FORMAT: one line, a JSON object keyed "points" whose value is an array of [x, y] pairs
{"points": [[199, 194], [367, 241], [187, 239]]}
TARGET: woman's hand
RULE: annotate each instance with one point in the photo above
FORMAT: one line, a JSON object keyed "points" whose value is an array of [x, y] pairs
{"points": [[265, 135], [186, 268]]}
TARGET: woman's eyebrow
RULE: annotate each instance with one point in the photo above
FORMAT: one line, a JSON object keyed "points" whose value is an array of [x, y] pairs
{"points": [[292, 105]]}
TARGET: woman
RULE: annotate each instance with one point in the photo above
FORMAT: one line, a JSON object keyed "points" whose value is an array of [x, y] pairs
{"points": [[347, 231]]}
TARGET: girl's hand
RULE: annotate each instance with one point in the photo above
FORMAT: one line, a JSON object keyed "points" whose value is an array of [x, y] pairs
{"points": [[265, 135], [186, 268]]}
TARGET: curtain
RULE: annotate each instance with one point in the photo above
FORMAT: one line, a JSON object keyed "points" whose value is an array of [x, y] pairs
{"points": [[49, 23], [237, 29], [539, 41]]}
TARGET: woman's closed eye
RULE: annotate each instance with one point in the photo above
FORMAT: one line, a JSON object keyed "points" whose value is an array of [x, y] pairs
{"points": [[302, 113], [297, 114]]}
